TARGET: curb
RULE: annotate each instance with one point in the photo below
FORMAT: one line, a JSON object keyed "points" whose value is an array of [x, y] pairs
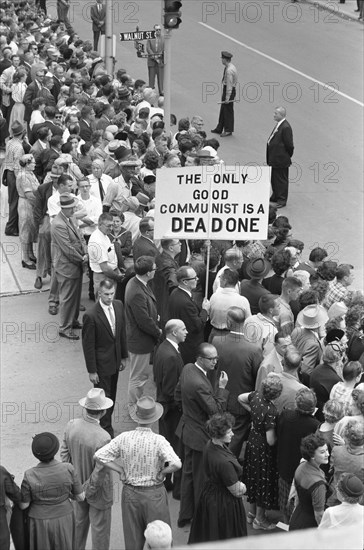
{"points": [[333, 8]]}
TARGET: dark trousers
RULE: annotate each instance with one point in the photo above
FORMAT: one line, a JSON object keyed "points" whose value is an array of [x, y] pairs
{"points": [[91, 292], [226, 117], [4, 131], [156, 71], [279, 183], [241, 433], [96, 39], [13, 222], [109, 383], [193, 477], [167, 427]]}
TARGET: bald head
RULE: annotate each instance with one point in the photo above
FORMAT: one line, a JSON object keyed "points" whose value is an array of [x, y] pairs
{"points": [[235, 318], [176, 330]]}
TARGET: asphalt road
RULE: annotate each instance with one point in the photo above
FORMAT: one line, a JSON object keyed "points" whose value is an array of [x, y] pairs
{"points": [[283, 58]]}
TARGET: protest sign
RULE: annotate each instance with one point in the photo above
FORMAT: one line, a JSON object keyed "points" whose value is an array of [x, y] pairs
{"points": [[212, 202]]}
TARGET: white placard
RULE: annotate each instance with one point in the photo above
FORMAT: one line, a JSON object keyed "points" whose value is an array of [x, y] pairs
{"points": [[212, 202]]}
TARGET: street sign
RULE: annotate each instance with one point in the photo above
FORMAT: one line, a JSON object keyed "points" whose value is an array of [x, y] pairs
{"points": [[212, 202], [137, 35]]}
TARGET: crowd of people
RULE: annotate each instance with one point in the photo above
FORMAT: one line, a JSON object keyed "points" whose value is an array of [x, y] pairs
{"points": [[259, 384]]}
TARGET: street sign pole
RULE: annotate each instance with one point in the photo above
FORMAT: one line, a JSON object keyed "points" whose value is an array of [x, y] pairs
{"points": [[167, 79], [109, 60]]}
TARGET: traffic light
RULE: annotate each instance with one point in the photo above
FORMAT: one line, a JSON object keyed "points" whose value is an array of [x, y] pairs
{"points": [[172, 14]]}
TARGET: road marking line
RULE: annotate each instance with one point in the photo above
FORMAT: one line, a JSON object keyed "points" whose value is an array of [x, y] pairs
{"points": [[304, 75]]}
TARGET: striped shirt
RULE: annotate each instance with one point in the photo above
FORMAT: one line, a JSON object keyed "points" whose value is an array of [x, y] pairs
{"points": [[14, 152], [142, 455]]}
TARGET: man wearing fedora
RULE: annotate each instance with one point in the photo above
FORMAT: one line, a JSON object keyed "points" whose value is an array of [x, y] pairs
{"points": [[252, 288], [117, 155], [306, 337], [82, 438], [225, 125], [144, 459], [69, 258], [104, 344]]}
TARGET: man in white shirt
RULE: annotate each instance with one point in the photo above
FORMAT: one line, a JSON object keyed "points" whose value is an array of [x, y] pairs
{"points": [[64, 185], [98, 180], [261, 328], [233, 259], [226, 296], [102, 255]]}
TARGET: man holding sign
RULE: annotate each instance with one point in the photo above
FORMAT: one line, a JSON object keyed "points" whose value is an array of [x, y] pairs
{"points": [[225, 126]]}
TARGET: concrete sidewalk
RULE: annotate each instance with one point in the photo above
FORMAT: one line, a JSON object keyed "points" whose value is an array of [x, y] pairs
{"points": [[346, 10]]}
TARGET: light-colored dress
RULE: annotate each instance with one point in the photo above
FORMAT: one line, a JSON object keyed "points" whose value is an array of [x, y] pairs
{"points": [[17, 112], [26, 181]]}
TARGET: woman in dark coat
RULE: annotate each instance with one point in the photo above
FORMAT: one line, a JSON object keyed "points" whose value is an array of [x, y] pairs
{"points": [[47, 489], [220, 512], [310, 484], [260, 463]]}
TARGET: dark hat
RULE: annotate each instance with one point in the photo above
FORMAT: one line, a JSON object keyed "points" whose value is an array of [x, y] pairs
{"points": [[257, 268], [149, 179], [17, 128], [226, 55], [334, 335], [66, 200], [350, 486], [45, 446], [146, 410], [122, 153]]}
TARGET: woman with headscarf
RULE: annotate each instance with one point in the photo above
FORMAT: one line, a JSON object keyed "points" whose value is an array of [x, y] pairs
{"points": [[48, 488]]}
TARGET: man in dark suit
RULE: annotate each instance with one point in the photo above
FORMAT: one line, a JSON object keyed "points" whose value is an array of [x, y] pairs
{"points": [[98, 15], [104, 344], [142, 328], [279, 152], [165, 278], [69, 257], [182, 306], [155, 51], [49, 115], [167, 368], [32, 92], [87, 122], [144, 245], [199, 402], [240, 359]]}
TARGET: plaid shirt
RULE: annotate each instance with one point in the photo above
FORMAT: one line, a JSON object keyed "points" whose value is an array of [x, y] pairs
{"points": [[142, 455], [14, 152], [337, 293]]}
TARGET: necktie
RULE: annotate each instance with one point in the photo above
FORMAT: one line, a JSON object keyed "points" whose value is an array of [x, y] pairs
{"points": [[272, 134], [99, 7], [102, 194], [223, 74], [112, 319]]}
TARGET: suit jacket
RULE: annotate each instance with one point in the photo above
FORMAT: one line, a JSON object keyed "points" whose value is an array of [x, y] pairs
{"points": [[102, 350], [240, 360], [56, 130], [309, 347], [142, 330], [322, 379], [68, 248], [153, 49], [199, 402], [144, 247], [57, 85], [181, 306], [280, 147], [167, 368], [85, 130], [31, 93], [98, 18], [103, 123], [42, 195], [164, 282], [47, 158]]}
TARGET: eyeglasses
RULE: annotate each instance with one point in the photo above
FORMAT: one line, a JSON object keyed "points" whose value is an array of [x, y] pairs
{"points": [[191, 279], [215, 359], [84, 186]]}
